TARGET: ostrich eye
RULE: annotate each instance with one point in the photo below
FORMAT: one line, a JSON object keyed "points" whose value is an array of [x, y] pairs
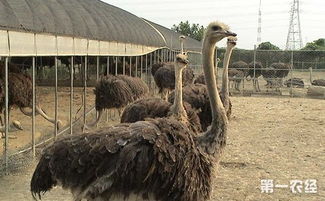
{"points": [[215, 28]]}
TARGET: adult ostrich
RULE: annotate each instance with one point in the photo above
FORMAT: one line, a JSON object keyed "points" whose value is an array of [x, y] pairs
{"points": [[138, 88], [165, 76], [319, 82], [236, 76], [141, 160], [197, 94], [20, 92], [155, 107], [254, 72], [281, 71]]}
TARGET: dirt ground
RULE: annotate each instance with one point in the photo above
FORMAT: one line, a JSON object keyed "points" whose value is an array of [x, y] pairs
{"points": [[274, 138]]}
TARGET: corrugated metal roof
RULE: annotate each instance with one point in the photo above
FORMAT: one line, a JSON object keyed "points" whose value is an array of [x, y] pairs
{"points": [[91, 19], [172, 39]]}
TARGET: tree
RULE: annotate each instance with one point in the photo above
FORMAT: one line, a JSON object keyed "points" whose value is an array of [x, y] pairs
{"points": [[195, 31], [315, 45], [267, 46]]}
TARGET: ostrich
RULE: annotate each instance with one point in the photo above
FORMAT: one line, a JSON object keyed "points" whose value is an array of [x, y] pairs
{"points": [[236, 76], [269, 76], [197, 95], [20, 93], [158, 159], [154, 107], [165, 76], [295, 82], [281, 71], [319, 82], [116, 92], [254, 73]]}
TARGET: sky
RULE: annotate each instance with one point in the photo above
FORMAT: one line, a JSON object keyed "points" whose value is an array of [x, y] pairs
{"points": [[240, 15]]}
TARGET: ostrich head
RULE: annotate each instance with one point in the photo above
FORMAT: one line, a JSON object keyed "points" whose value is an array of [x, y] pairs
{"points": [[181, 40], [232, 41], [182, 60], [216, 31], [13, 126]]}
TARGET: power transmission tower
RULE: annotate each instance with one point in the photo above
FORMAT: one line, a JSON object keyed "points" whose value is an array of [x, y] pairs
{"points": [[259, 29], [294, 39]]}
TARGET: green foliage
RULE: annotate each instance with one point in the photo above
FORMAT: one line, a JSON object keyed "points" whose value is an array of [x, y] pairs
{"points": [[315, 45], [195, 31], [267, 46]]}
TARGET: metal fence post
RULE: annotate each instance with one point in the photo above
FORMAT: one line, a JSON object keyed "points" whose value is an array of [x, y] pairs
{"points": [[56, 98], [85, 89], [136, 66], [6, 148], [311, 74], [97, 78], [71, 93], [291, 74], [33, 109], [147, 69], [141, 66], [123, 65], [116, 65], [107, 73], [130, 66], [254, 81]]}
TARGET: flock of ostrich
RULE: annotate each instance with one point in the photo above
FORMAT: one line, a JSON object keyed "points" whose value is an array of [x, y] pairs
{"points": [[163, 149]]}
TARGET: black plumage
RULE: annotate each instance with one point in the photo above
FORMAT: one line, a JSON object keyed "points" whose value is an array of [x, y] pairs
{"points": [[112, 92], [318, 82], [165, 77], [197, 96], [138, 87], [156, 158], [156, 108]]}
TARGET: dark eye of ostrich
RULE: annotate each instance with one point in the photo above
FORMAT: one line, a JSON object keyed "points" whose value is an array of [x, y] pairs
{"points": [[215, 28]]}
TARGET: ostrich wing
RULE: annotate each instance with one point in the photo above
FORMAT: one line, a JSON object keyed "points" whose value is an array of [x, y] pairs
{"points": [[156, 157]]}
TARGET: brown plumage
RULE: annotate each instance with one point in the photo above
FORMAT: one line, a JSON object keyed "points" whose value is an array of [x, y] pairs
{"points": [[155, 67], [197, 96], [156, 158], [138, 87], [319, 82], [295, 82], [200, 79], [240, 65], [236, 76], [156, 108], [165, 78], [159, 159], [281, 69], [255, 73], [112, 92]]}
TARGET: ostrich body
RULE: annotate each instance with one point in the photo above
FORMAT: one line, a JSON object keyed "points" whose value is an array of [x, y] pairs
{"points": [[254, 74], [240, 65], [281, 71], [159, 159], [117, 92], [165, 78], [20, 92], [236, 76], [319, 82], [154, 107], [295, 82]]}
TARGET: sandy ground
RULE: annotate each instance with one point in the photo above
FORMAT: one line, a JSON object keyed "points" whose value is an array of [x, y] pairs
{"points": [[274, 138]]}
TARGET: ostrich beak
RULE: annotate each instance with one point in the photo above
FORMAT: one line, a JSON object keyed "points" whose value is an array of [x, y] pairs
{"points": [[229, 33], [17, 125]]}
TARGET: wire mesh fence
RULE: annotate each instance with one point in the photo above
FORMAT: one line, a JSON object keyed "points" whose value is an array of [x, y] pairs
{"points": [[64, 90]]}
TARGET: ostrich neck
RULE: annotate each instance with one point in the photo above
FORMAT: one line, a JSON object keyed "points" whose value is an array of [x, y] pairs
{"points": [[216, 135], [178, 108], [225, 79]]}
